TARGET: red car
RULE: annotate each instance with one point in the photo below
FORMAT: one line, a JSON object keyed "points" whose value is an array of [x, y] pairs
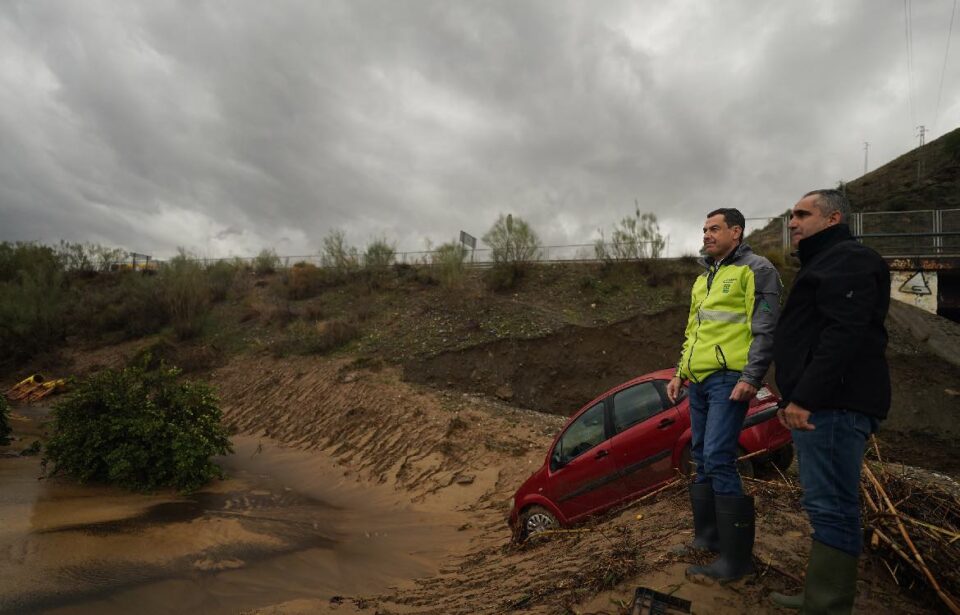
{"points": [[625, 443]]}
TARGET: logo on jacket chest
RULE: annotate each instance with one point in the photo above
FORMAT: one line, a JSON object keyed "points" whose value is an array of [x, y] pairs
{"points": [[728, 284]]}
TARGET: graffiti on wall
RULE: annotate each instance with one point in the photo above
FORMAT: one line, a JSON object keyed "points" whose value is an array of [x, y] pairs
{"points": [[917, 288]]}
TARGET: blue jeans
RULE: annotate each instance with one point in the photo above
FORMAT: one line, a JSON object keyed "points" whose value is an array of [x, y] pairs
{"points": [[830, 458], [715, 423]]}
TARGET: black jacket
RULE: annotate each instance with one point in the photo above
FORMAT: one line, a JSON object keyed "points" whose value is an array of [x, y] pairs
{"points": [[830, 341]]}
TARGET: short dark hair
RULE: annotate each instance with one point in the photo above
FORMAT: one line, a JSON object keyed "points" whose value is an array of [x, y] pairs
{"points": [[830, 200], [731, 216]]}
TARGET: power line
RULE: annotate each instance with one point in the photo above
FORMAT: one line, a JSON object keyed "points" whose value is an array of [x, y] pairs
{"points": [[908, 37], [943, 71]]}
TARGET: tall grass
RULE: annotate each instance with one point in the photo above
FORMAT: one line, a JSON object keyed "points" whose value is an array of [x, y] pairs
{"points": [[448, 264]]}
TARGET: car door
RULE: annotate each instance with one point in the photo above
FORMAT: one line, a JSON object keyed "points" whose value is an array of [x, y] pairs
{"points": [[584, 476], [645, 431]]}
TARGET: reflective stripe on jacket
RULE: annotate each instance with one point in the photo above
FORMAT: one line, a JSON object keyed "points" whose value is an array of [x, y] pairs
{"points": [[734, 306]]}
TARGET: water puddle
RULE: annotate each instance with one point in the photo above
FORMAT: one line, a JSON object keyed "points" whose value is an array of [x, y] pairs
{"points": [[285, 525]]}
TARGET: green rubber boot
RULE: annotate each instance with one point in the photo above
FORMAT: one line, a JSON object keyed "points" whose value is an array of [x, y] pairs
{"points": [[787, 601], [830, 586]]}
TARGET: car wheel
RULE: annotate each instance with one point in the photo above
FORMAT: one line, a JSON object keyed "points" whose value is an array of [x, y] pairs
{"points": [[782, 457], [536, 519]]}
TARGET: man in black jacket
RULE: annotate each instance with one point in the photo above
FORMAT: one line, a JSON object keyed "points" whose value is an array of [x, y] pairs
{"points": [[829, 354]]}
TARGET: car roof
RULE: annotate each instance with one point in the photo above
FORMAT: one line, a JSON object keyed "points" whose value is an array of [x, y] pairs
{"points": [[660, 374]]}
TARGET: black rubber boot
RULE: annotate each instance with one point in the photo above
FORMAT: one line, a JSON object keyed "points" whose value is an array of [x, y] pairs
{"points": [[735, 525], [704, 517]]}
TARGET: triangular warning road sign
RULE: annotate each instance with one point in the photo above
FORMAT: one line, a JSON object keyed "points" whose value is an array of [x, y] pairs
{"points": [[916, 285]]}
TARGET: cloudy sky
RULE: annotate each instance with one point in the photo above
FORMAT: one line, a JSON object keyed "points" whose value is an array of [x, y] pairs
{"points": [[230, 126]]}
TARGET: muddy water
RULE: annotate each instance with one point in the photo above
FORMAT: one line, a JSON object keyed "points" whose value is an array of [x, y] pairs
{"points": [[284, 525]]}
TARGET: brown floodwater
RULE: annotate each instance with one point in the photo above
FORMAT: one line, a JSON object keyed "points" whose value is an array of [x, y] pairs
{"points": [[284, 525]]}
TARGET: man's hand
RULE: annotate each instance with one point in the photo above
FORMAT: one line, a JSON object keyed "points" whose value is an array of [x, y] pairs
{"points": [[795, 417], [673, 389], [743, 391]]}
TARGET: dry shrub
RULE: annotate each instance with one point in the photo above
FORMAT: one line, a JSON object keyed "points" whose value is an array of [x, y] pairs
{"points": [[320, 338], [280, 315], [312, 313], [504, 276], [365, 312], [304, 281], [186, 293], [249, 314]]}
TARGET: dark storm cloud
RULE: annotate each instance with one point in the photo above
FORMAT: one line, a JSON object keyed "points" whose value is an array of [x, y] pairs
{"points": [[226, 127]]}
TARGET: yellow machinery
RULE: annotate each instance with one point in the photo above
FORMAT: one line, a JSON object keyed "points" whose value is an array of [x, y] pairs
{"points": [[34, 388]]}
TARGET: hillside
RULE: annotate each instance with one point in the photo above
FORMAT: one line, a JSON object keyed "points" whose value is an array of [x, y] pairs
{"points": [[926, 177]]}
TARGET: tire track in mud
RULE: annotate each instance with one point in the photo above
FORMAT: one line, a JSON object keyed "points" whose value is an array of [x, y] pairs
{"points": [[385, 430]]}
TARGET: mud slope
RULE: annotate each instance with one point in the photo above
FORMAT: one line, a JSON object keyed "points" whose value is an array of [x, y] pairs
{"points": [[465, 454], [385, 431], [562, 371]]}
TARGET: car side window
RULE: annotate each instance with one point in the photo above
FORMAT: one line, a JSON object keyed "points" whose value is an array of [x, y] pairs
{"points": [[634, 405], [682, 395], [582, 435]]}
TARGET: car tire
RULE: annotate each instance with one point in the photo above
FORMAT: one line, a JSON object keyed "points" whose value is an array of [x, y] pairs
{"points": [[782, 457], [534, 520]]}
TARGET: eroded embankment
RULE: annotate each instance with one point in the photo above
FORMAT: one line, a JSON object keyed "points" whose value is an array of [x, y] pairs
{"points": [[560, 372]]}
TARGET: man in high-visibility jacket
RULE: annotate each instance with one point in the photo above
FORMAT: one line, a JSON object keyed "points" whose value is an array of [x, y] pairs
{"points": [[728, 347]]}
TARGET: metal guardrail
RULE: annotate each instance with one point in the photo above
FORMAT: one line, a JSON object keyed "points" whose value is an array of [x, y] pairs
{"points": [[927, 233]]}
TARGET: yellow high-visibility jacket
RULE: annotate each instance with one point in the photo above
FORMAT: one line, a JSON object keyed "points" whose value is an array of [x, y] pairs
{"points": [[734, 305]]}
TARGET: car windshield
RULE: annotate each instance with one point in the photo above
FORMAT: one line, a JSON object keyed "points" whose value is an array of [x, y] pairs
{"points": [[582, 435]]}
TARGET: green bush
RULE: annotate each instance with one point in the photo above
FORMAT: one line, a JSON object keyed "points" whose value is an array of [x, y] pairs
{"points": [[635, 236], [16, 258], [89, 257], [512, 241], [4, 422], [186, 294], [138, 429], [33, 301], [504, 276], [221, 278], [447, 261], [266, 262], [127, 305], [379, 255]]}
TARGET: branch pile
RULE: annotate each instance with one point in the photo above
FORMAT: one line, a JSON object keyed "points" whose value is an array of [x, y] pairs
{"points": [[913, 524]]}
